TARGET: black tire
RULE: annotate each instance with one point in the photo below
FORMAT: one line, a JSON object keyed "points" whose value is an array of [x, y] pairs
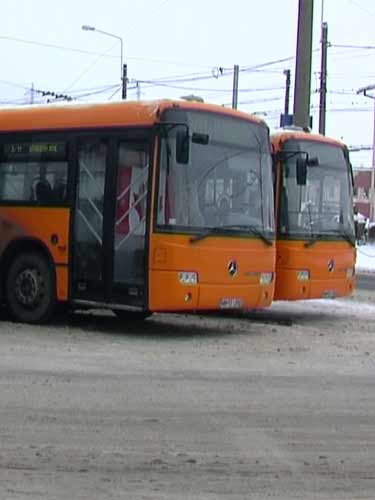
{"points": [[30, 288], [131, 315]]}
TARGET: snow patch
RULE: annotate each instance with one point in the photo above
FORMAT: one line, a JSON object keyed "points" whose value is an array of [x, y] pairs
{"points": [[365, 258]]}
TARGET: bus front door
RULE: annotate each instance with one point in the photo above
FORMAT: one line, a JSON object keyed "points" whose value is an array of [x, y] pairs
{"points": [[109, 264], [129, 251]]}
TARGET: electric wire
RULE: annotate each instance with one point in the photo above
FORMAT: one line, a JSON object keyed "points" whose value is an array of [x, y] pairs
{"points": [[51, 45], [359, 6]]}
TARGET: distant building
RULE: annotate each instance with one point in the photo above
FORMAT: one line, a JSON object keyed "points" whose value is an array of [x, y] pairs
{"points": [[364, 198]]}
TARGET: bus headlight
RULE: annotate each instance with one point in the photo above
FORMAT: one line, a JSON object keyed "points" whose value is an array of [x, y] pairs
{"points": [[188, 278], [266, 278], [350, 272], [303, 275]]}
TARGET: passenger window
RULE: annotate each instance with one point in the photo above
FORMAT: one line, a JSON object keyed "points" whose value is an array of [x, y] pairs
{"points": [[33, 171]]}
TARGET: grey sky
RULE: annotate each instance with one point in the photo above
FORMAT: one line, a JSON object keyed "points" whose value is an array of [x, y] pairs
{"points": [[175, 39]]}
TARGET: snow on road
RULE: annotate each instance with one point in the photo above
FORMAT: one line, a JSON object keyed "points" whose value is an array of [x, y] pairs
{"points": [[342, 307], [365, 258]]}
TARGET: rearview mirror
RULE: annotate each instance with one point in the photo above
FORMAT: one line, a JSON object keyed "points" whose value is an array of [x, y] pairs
{"points": [[301, 171], [198, 138], [182, 146], [313, 162]]}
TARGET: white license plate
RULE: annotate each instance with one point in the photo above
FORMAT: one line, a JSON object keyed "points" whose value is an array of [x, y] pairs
{"points": [[230, 303]]}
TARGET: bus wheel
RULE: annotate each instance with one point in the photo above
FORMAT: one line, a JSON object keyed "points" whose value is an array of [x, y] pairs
{"points": [[30, 288], [131, 315]]}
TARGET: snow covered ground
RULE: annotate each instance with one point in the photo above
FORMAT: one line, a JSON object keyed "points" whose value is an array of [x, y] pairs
{"points": [[366, 258]]}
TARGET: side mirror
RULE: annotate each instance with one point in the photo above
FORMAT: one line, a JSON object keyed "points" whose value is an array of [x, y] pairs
{"points": [[182, 146], [313, 161], [301, 171]]}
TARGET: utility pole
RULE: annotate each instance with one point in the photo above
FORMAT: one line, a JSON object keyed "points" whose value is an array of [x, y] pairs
{"points": [[365, 91], [372, 187], [236, 71], [372, 177], [302, 84], [124, 81], [323, 80], [138, 86], [287, 91], [32, 94]]}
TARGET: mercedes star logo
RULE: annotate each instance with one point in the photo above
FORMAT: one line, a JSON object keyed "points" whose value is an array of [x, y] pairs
{"points": [[232, 268], [331, 265]]}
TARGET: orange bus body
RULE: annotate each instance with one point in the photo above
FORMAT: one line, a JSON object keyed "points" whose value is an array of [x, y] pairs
{"points": [[40, 224], [210, 260], [329, 263], [49, 229]]}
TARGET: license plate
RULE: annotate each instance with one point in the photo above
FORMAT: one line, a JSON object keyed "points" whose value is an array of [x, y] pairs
{"points": [[230, 303], [329, 294]]}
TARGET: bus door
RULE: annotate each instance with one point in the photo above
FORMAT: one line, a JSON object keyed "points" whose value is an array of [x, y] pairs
{"points": [[109, 237], [129, 230]]}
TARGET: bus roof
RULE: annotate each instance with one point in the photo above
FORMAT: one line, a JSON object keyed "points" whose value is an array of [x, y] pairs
{"points": [[115, 114], [280, 136]]}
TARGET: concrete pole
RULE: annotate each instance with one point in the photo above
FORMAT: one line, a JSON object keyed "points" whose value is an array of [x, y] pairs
{"points": [[323, 80], [302, 86], [124, 81], [32, 94], [235, 86], [287, 91], [372, 188], [138, 85]]}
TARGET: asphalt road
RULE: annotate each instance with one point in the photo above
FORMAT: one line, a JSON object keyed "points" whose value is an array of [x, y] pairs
{"points": [[279, 404]]}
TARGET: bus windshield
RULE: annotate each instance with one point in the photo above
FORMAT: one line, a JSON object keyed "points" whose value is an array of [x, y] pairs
{"points": [[226, 184], [321, 207]]}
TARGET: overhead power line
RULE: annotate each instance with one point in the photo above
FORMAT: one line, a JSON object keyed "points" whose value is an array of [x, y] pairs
{"points": [[346, 46], [219, 72], [155, 83], [94, 53], [98, 91], [258, 101], [359, 6], [53, 46], [13, 84], [55, 95]]}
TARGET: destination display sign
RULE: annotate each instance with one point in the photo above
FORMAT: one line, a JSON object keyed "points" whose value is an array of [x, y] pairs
{"points": [[33, 151]]}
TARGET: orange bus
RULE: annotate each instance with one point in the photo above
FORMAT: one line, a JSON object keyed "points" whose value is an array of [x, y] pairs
{"points": [[134, 207], [315, 254]]}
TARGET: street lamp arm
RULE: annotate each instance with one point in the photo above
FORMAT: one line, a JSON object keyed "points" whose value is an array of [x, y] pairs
{"points": [[364, 91], [108, 34], [87, 27]]}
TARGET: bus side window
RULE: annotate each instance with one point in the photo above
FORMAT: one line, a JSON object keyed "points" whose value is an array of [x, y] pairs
{"points": [[42, 191], [29, 171]]}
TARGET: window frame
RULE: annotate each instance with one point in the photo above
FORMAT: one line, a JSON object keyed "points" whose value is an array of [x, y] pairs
{"points": [[184, 230], [34, 137], [300, 235]]}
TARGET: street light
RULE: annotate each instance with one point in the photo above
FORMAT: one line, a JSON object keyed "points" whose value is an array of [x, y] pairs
{"points": [[123, 73]]}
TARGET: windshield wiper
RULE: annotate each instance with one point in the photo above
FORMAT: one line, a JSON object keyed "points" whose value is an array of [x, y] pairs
{"points": [[313, 239], [317, 237], [346, 237], [230, 229], [253, 230], [208, 232]]}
